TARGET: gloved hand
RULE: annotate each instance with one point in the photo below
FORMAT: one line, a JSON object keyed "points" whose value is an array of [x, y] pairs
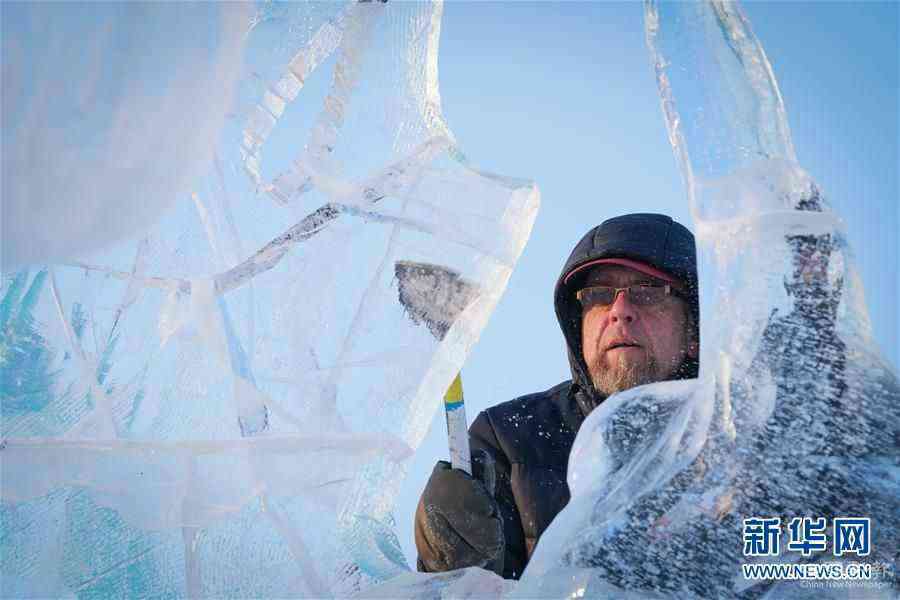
{"points": [[458, 522]]}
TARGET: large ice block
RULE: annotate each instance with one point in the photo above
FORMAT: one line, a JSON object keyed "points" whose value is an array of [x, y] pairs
{"points": [[219, 397]]}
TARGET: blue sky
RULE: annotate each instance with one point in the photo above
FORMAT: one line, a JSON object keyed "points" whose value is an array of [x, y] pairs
{"points": [[564, 94]]}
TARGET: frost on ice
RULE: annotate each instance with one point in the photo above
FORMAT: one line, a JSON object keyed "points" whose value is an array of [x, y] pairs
{"points": [[240, 270], [794, 413]]}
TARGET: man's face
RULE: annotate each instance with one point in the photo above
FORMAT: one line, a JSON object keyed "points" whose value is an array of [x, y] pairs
{"points": [[625, 345]]}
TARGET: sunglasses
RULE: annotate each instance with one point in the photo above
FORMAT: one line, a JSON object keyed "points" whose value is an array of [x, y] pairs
{"points": [[639, 295]]}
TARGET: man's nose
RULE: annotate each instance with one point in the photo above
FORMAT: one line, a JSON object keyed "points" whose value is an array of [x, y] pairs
{"points": [[622, 308]]}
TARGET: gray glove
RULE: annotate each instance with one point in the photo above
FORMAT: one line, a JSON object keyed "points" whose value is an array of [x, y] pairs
{"points": [[458, 522]]}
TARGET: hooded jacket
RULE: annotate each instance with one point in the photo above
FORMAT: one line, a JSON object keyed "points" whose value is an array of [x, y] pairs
{"points": [[530, 437]]}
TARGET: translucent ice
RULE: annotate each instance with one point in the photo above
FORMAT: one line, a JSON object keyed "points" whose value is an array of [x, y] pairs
{"points": [[108, 114], [794, 414], [216, 397], [463, 584]]}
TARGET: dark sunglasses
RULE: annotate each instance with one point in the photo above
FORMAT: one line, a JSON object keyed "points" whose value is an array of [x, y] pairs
{"points": [[639, 295]]}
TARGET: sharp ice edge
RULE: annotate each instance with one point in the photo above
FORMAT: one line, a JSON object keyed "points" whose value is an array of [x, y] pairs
{"points": [[772, 126], [323, 138], [320, 46]]}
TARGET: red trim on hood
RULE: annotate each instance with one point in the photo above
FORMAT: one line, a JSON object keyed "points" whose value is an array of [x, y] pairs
{"points": [[624, 262]]}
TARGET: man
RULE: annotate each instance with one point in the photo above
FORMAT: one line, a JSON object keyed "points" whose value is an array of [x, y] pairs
{"points": [[627, 305]]}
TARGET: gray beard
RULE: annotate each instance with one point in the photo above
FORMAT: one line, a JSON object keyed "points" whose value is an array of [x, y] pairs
{"points": [[623, 375]]}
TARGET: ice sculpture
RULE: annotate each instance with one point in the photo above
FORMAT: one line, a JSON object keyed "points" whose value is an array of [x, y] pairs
{"points": [[794, 415], [219, 403], [473, 583], [116, 110]]}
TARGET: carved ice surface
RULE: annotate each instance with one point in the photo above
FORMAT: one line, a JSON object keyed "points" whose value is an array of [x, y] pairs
{"points": [[217, 396], [108, 114], [462, 584], [794, 413]]}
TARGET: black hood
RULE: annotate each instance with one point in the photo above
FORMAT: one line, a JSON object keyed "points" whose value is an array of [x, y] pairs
{"points": [[653, 239]]}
